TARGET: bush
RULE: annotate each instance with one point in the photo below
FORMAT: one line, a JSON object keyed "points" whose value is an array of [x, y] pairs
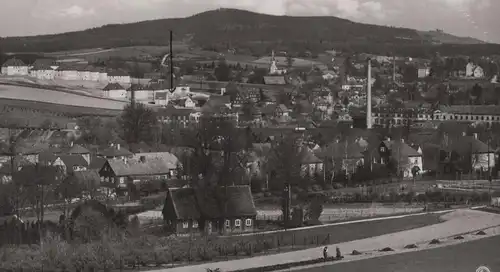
{"points": [[481, 233], [435, 242], [355, 252], [459, 237], [411, 246], [386, 249]]}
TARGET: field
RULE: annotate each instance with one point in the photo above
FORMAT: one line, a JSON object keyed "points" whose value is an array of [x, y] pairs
{"points": [[57, 97], [465, 257], [139, 52]]}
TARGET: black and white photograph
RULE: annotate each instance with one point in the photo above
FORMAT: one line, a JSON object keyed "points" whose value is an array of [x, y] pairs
{"points": [[249, 135]]}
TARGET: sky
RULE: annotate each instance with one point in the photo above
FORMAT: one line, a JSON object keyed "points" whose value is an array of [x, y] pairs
{"points": [[472, 18]]}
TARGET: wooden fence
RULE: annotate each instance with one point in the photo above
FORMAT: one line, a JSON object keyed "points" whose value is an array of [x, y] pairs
{"points": [[18, 233]]}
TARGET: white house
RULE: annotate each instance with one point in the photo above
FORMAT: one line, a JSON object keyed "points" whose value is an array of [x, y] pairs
{"points": [[84, 72], [118, 76], [68, 72], [472, 70], [409, 158], [102, 74], [15, 67], [161, 97], [181, 92], [141, 93], [94, 73], [43, 72], [115, 90], [423, 72]]}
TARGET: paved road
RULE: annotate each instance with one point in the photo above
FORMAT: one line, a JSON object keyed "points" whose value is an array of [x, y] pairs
{"points": [[464, 257]]}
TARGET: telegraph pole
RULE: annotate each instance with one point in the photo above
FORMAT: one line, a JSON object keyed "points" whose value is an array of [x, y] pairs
{"points": [[171, 62]]}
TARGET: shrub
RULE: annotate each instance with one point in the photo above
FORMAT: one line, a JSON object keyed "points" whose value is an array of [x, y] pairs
{"points": [[481, 233], [355, 252], [459, 238], [386, 249], [411, 246], [435, 242]]}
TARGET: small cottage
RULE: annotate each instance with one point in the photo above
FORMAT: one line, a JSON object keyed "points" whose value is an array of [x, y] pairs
{"points": [[15, 67], [209, 210]]}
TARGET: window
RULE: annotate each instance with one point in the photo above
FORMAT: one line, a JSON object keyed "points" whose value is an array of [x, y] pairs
{"points": [[237, 223], [195, 224], [228, 223], [248, 222], [185, 225]]}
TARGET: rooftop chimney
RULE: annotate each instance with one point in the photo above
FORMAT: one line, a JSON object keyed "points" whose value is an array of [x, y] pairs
{"points": [[117, 146], [369, 96]]}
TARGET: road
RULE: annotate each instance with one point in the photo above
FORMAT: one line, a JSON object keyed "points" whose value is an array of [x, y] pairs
{"points": [[464, 257]]}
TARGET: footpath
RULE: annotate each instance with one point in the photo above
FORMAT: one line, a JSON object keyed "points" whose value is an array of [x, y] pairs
{"points": [[456, 223]]}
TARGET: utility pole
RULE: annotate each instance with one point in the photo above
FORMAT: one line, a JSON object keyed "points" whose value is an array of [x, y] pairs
{"points": [[171, 62]]}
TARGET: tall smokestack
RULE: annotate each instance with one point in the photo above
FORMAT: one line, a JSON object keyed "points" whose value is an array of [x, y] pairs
{"points": [[171, 62], [369, 96]]}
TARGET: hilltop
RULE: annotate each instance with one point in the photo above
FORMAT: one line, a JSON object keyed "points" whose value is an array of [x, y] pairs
{"points": [[231, 28]]}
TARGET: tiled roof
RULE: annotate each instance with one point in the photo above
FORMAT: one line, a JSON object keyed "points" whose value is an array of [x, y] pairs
{"points": [[472, 109], [469, 144], [115, 152], [338, 150], [78, 149], [42, 67], [44, 62], [73, 160], [184, 203], [190, 203], [402, 149], [136, 167], [113, 86], [96, 163], [308, 157], [13, 63]]}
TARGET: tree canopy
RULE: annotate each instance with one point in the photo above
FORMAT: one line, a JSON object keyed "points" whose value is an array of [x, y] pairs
{"points": [[138, 123]]}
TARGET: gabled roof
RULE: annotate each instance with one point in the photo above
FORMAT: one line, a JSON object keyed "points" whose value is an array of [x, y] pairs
{"points": [[191, 203], [78, 149], [13, 63], [115, 152], [469, 145], [44, 62], [135, 167], [73, 160], [401, 148], [113, 86], [308, 157]]}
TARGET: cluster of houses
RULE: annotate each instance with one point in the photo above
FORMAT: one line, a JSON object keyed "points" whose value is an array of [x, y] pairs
{"points": [[48, 69]]}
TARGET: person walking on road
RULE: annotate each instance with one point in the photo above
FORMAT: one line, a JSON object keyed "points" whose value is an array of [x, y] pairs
{"points": [[325, 253]]}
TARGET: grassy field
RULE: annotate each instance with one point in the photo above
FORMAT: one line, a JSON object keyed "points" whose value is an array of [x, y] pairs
{"points": [[342, 233], [57, 97], [466, 257]]}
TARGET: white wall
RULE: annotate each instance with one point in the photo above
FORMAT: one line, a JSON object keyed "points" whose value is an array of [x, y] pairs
{"points": [[15, 71]]}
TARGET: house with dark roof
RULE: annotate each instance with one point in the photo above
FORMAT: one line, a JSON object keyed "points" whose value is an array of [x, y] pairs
{"points": [[79, 150], [14, 67], [403, 157], [120, 172], [87, 180], [115, 90], [310, 164], [71, 163], [209, 210], [343, 156], [42, 71], [115, 152]]}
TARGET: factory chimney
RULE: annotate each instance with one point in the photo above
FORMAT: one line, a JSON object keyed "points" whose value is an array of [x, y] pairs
{"points": [[369, 96]]}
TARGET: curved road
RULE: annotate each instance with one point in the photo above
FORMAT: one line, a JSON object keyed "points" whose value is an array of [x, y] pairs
{"points": [[466, 257]]}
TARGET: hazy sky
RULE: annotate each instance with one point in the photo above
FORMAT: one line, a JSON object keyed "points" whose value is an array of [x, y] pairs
{"points": [[475, 18]]}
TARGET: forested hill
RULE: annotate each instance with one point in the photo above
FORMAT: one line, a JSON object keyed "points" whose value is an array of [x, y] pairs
{"points": [[224, 28]]}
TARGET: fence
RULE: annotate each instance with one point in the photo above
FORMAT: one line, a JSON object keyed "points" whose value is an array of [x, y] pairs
{"points": [[18, 233]]}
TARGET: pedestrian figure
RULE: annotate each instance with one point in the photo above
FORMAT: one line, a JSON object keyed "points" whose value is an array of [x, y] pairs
{"points": [[325, 253], [339, 255]]}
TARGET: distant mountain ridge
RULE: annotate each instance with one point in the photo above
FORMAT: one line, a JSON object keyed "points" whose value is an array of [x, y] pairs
{"points": [[232, 28]]}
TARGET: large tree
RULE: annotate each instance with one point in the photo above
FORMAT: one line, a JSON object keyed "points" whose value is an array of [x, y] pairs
{"points": [[138, 122]]}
